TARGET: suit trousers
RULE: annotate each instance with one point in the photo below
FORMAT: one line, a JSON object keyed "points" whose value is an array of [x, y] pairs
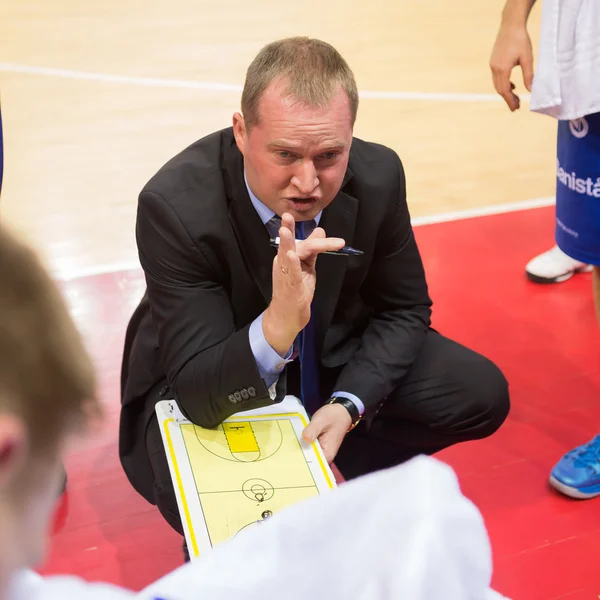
{"points": [[450, 394]]}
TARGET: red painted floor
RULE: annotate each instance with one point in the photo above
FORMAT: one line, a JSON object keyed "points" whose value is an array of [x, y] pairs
{"points": [[546, 340]]}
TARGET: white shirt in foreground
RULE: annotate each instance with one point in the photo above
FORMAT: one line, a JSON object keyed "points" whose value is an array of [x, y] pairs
{"points": [[417, 537]]}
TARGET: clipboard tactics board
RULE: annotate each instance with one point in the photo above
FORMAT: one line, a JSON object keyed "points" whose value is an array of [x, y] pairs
{"points": [[251, 466]]}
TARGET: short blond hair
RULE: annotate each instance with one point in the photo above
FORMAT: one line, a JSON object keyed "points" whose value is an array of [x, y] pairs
{"points": [[312, 69], [46, 376]]}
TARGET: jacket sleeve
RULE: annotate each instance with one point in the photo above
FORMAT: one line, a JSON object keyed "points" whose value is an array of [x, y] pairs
{"points": [[396, 293], [209, 364]]}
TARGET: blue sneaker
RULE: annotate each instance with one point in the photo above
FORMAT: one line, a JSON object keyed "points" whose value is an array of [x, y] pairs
{"points": [[577, 473]]}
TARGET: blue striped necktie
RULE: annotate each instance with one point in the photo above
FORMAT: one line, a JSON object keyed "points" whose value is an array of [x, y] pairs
{"points": [[306, 340], [309, 366]]}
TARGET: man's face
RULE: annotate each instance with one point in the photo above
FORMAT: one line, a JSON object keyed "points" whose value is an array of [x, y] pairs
{"points": [[29, 489], [296, 156]]}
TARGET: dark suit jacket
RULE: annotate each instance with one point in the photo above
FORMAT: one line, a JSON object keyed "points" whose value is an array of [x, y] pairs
{"points": [[208, 262]]}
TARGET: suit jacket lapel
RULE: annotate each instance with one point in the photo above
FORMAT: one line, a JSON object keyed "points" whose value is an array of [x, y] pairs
{"points": [[250, 231], [338, 220]]}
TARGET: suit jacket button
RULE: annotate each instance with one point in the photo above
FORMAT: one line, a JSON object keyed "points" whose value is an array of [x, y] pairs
{"points": [[232, 399], [237, 396], [245, 394], [252, 391]]}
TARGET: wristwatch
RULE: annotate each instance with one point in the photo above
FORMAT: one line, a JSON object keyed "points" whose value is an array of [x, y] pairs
{"points": [[350, 407]]}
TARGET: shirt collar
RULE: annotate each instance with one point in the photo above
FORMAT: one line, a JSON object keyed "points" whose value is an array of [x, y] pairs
{"points": [[264, 212]]}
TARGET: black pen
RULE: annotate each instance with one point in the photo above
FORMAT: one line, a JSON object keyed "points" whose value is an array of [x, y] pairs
{"points": [[345, 251]]}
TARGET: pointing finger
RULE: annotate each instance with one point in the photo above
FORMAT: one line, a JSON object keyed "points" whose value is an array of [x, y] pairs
{"points": [[310, 247]]}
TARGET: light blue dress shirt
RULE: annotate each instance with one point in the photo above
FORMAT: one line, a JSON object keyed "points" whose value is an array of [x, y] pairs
{"points": [[270, 363]]}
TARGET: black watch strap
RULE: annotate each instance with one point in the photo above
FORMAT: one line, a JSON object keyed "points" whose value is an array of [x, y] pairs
{"points": [[349, 406]]}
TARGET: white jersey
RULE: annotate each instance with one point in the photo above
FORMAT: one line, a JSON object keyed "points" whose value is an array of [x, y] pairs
{"points": [[28, 585], [405, 532], [566, 84]]}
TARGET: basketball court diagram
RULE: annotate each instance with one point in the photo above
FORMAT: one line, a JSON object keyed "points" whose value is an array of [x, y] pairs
{"points": [[245, 471]]}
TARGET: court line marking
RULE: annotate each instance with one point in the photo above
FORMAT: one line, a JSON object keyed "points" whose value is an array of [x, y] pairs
{"points": [[484, 211], [210, 86], [459, 215]]}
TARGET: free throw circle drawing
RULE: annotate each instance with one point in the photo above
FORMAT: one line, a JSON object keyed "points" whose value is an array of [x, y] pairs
{"points": [[258, 490]]}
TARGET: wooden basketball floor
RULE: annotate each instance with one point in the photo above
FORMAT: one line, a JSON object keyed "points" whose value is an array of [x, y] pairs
{"points": [[97, 96]]}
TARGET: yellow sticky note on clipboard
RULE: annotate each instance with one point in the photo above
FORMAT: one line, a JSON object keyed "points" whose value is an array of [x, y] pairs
{"points": [[242, 472]]}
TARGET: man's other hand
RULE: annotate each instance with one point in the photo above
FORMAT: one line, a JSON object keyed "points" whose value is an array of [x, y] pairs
{"points": [[329, 425]]}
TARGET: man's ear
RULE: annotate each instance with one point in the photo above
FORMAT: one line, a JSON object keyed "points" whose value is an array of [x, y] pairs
{"points": [[13, 450], [239, 131]]}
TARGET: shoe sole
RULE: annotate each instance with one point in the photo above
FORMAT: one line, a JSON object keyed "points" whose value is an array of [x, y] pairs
{"points": [[571, 491], [560, 278]]}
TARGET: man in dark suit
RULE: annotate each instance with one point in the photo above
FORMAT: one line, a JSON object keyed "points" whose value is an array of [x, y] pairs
{"points": [[229, 323]]}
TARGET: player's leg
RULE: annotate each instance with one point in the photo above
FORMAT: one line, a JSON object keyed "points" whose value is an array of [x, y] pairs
{"points": [[577, 473]]}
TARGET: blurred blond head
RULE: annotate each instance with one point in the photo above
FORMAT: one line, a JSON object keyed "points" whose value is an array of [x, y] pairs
{"points": [[47, 393]]}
